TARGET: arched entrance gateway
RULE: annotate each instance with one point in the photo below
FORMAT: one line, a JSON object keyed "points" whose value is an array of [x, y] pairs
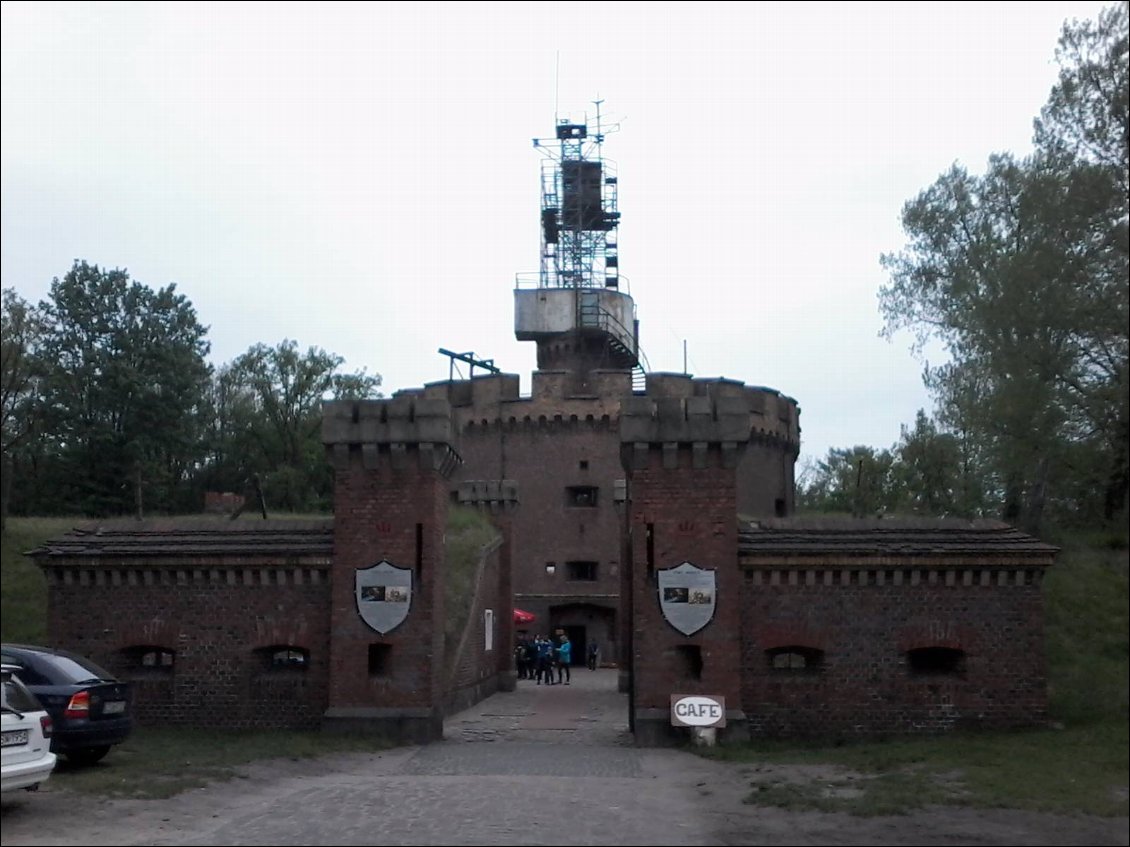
{"points": [[616, 496]]}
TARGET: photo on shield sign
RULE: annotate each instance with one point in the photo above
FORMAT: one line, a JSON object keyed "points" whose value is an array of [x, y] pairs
{"points": [[676, 594]]}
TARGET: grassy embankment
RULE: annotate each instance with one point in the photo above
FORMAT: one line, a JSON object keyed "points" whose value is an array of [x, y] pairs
{"points": [[162, 762]]}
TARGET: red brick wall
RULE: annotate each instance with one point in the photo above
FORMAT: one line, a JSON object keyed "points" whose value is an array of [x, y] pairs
{"points": [[692, 512], [218, 621], [765, 485], [865, 685], [376, 514]]}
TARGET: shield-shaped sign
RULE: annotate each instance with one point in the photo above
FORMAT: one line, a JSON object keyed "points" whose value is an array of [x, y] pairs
{"points": [[384, 595], [687, 596]]}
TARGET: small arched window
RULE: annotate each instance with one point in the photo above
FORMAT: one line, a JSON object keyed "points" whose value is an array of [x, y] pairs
{"points": [[150, 658], [795, 659], [285, 657]]}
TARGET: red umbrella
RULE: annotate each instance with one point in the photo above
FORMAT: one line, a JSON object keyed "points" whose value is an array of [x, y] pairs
{"points": [[524, 617]]}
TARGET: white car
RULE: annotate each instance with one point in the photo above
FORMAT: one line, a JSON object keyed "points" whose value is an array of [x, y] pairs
{"points": [[25, 757]]}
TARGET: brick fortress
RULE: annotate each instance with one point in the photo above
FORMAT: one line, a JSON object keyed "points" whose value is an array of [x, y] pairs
{"points": [[650, 513]]}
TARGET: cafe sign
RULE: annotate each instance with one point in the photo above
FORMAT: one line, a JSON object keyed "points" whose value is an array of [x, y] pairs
{"points": [[698, 710]]}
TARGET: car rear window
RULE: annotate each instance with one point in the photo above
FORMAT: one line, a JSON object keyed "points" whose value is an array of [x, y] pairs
{"points": [[15, 696], [67, 670]]}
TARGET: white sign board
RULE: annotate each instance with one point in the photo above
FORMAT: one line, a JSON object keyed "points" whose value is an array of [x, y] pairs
{"points": [[698, 710]]}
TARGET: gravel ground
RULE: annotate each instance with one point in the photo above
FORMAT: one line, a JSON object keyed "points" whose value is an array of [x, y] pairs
{"points": [[543, 765]]}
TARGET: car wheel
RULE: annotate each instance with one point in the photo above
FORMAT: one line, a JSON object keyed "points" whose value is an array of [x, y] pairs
{"points": [[87, 755]]}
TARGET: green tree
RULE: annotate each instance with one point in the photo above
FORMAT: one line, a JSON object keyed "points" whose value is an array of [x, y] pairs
{"points": [[855, 480], [1022, 274], [1086, 125], [928, 471], [232, 420], [21, 334], [273, 398], [123, 385], [1085, 118]]}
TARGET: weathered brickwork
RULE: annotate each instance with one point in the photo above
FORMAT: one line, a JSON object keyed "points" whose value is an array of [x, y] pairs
{"points": [[863, 621], [681, 455], [392, 460], [219, 623]]}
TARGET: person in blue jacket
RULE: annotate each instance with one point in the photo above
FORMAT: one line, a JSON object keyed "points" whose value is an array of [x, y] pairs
{"points": [[564, 659]]}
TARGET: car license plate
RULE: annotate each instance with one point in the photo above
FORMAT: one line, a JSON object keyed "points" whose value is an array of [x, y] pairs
{"points": [[113, 707], [18, 736]]}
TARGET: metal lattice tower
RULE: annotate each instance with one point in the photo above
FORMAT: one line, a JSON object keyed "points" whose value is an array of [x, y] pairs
{"points": [[579, 214], [583, 301]]}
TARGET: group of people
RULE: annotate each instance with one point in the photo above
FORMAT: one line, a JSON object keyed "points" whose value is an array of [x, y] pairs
{"points": [[541, 659], [545, 660]]}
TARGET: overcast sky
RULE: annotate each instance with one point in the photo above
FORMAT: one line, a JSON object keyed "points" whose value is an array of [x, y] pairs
{"points": [[361, 177]]}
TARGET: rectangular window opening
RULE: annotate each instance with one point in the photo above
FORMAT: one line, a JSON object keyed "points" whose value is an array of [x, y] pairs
{"points": [[581, 496], [581, 571], [380, 659], [936, 661], [688, 661]]}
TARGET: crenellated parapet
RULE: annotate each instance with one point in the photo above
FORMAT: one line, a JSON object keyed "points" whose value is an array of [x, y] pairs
{"points": [[561, 399], [558, 399], [407, 428], [670, 422], [774, 417], [481, 392], [680, 410]]}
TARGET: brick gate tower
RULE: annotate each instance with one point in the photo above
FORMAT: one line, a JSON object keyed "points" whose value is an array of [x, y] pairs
{"points": [[392, 460], [681, 455]]}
